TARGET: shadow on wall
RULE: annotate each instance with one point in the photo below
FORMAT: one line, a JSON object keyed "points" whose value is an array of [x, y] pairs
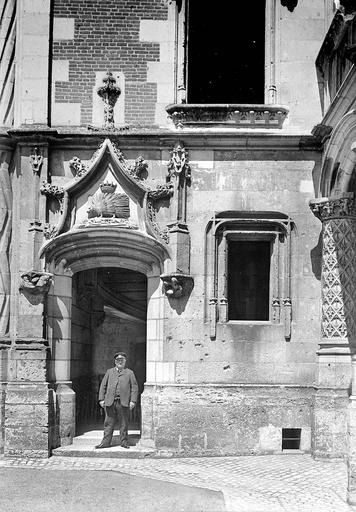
{"points": [[315, 257]]}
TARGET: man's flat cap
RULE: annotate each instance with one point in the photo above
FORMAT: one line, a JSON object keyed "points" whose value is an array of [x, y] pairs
{"points": [[118, 354]]}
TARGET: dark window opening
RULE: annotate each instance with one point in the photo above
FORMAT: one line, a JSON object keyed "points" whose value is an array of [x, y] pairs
{"points": [[226, 60], [249, 279], [291, 438]]}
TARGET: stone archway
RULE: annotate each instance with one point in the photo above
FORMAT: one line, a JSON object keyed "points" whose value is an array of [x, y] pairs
{"points": [[335, 402], [84, 249]]}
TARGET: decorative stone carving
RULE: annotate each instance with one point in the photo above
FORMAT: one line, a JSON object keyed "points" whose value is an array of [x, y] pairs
{"points": [[151, 213], [161, 192], [49, 231], [178, 165], [109, 93], [107, 203], [78, 167], [35, 282], [36, 225], [139, 169], [325, 208], [36, 161], [49, 190], [247, 116], [176, 284], [338, 266], [347, 8]]}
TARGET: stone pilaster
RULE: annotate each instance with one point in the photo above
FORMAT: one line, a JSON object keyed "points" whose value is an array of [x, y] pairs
{"points": [[338, 331]]}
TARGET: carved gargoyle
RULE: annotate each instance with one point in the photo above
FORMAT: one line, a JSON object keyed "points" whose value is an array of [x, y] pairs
{"points": [[35, 282], [36, 161], [177, 285]]}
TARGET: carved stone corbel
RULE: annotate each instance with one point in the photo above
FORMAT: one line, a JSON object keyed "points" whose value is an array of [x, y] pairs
{"points": [[177, 285], [36, 161], [49, 190], [35, 282]]}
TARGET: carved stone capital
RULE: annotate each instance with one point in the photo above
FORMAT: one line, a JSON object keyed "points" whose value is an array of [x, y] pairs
{"points": [[326, 209], [35, 282], [177, 285]]}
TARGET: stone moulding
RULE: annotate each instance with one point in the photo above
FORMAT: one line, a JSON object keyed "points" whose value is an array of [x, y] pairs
{"points": [[230, 115], [176, 284]]}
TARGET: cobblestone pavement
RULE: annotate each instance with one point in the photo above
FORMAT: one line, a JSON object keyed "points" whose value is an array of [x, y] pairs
{"points": [[272, 483]]}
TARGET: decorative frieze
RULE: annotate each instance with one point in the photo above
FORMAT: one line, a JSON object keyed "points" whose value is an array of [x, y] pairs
{"points": [[341, 207]]}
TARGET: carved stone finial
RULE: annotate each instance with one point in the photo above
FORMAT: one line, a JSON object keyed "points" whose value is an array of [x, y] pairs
{"points": [[178, 164], [36, 161], [139, 169], [35, 282], [78, 167], [109, 93]]}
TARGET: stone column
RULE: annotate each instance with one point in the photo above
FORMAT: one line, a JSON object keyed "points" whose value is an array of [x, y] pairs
{"points": [[59, 322], [338, 334]]}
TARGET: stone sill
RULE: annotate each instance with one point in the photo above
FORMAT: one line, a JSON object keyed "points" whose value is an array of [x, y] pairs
{"points": [[230, 115]]}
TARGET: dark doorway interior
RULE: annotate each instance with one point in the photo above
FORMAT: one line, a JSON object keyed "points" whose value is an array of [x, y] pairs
{"points": [[226, 52], [108, 315]]}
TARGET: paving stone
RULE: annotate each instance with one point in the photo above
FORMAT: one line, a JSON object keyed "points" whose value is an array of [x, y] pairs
{"points": [[273, 483]]}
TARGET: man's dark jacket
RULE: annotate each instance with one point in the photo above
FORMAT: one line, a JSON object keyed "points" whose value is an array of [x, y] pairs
{"points": [[127, 388]]}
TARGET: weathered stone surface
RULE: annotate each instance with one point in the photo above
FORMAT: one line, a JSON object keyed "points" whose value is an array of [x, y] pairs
{"points": [[225, 420]]}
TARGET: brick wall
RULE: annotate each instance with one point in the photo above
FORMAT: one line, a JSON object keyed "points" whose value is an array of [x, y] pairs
{"points": [[106, 37]]}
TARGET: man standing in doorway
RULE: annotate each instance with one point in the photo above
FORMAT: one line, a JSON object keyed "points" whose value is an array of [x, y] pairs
{"points": [[117, 396]]}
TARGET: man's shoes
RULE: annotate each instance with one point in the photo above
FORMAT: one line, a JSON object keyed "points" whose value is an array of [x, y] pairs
{"points": [[103, 445], [125, 444]]}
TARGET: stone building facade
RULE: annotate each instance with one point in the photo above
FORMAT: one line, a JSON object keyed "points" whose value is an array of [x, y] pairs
{"points": [[156, 204]]}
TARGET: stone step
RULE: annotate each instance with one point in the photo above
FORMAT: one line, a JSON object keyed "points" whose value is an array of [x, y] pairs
{"points": [[84, 446]]}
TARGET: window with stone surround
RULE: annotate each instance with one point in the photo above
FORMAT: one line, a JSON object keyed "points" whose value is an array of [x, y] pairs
{"points": [[249, 269]]}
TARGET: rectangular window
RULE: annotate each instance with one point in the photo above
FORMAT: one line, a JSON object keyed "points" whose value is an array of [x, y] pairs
{"points": [[249, 265], [291, 438], [226, 63]]}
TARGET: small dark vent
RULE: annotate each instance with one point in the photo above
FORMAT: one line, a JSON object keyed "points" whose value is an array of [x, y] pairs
{"points": [[291, 438]]}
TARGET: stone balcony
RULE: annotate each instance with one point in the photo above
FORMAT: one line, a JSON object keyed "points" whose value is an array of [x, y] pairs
{"points": [[189, 115]]}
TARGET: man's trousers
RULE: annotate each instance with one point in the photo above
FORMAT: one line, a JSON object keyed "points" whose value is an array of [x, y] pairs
{"points": [[113, 413]]}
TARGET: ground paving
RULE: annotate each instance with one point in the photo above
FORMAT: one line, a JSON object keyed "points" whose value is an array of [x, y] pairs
{"points": [[271, 483]]}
